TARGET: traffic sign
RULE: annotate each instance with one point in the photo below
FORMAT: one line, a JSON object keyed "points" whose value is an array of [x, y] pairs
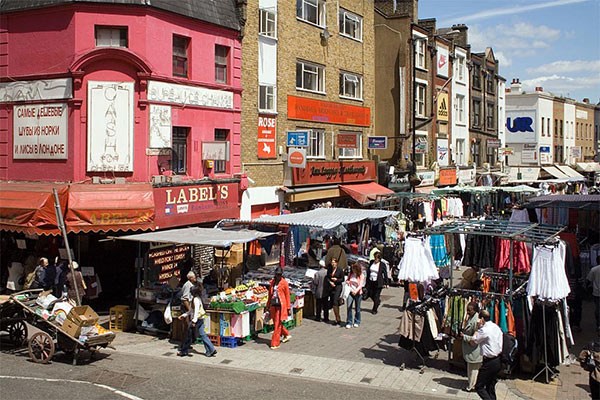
{"points": [[297, 138], [377, 142]]}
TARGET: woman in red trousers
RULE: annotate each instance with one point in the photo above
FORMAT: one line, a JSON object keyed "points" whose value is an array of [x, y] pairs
{"points": [[278, 305]]}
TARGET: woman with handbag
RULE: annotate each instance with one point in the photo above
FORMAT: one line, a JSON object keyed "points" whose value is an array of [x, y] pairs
{"points": [[335, 278], [471, 353], [279, 305], [377, 279], [355, 281]]}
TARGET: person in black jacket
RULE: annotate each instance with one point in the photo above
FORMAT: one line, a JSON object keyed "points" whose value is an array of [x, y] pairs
{"points": [[335, 278], [377, 279]]}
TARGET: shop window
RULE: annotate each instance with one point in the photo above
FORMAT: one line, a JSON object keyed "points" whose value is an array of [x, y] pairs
{"points": [[266, 101], [310, 77], [351, 85], [355, 152], [316, 144], [179, 150], [180, 56], [420, 53], [350, 24], [111, 36], [312, 11], [221, 63], [267, 23], [490, 116], [420, 99], [221, 135], [476, 113]]}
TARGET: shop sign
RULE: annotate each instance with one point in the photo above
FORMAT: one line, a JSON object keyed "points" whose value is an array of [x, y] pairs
{"points": [[266, 139], [427, 178], [215, 151], [443, 61], [377, 142], [466, 176], [493, 143], [520, 126], [330, 112], [442, 106], [447, 177], [523, 174], [193, 204], [576, 151], [442, 152], [529, 146], [529, 156], [421, 145], [347, 141], [160, 127], [507, 151], [297, 138], [43, 89], [329, 172], [545, 158], [163, 262], [40, 131], [297, 157], [189, 95]]}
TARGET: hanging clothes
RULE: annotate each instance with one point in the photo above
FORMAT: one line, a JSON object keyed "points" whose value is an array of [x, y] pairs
{"points": [[417, 264], [548, 279], [521, 264], [438, 250]]}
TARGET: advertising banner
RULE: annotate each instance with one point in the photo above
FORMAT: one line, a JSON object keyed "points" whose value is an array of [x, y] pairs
{"points": [[160, 127], [347, 141], [40, 131], [330, 112], [521, 126], [266, 139], [442, 152], [443, 61], [442, 106], [297, 157]]}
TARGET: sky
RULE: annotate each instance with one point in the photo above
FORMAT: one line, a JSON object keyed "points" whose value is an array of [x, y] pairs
{"points": [[554, 44]]}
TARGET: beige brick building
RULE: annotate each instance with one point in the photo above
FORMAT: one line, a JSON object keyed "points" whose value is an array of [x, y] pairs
{"points": [[307, 66], [584, 130]]}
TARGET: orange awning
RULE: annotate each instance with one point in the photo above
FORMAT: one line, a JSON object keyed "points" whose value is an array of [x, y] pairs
{"points": [[106, 208], [366, 192], [28, 207]]}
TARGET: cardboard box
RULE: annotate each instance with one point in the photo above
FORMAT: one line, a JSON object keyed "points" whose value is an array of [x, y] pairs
{"points": [[83, 316], [215, 323], [258, 321], [298, 316], [71, 328]]}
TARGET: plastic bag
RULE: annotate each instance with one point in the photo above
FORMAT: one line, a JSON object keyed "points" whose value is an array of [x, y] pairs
{"points": [[167, 315], [345, 291]]}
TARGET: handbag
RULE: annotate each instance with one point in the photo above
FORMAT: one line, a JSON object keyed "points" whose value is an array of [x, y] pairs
{"points": [[275, 302], [345, 291]]}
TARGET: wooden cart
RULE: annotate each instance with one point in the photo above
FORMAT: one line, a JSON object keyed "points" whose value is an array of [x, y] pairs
{"points": [[21, 308]]}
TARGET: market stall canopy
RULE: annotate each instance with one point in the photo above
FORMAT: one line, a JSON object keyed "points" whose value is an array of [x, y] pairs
{"points": [[588, 167], [365, 193], [28, 207], [325, 218], [480, 189], [570, 172], [199, 236], [527, 174], [579, 201], [555, 172], [110, 208]]}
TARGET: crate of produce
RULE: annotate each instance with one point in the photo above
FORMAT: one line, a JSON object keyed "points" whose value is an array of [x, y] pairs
{"points": [[121, 319], [229, 341], [289, 324], [268, 328]]}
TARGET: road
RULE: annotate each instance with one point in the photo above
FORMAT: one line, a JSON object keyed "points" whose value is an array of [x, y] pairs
{"points": [[134, 377]]}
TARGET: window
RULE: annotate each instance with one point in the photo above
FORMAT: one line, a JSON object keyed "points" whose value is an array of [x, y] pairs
{"points": [[420, 53], [179, 150], [111, 37], [420, 99], [489, 82], [460, 68], [490, 116], [221, 135], [548, 127], [316, 144], [561, 126], [312, 11], [475, 149], [350, 24], [476, 113], [543, 126], [355, 152], [460, 109], [555, 128], [460, 152], [221, 56], [420, 157], [351, 85], [180, 56], [476, 76], [266, 101], [267, 23], [310, 77]]}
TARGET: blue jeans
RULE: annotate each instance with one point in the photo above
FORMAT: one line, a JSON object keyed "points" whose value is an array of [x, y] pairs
{"points": [[353, 301], [208, 346]]}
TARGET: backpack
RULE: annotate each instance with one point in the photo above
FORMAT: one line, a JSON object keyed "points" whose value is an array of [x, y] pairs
{"points": [[509, 349]]}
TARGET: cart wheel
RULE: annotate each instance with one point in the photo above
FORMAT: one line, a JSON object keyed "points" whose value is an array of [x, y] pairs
{"points": [[17, 333], [41, 347]]}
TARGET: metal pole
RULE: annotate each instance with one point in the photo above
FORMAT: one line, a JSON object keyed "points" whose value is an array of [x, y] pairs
{"points": [[414, 97], [63, 230], [510, 270]]}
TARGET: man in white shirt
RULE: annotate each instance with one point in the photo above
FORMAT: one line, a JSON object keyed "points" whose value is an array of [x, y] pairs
{"points": [[186, 291], [489, 339], [594, 279]]}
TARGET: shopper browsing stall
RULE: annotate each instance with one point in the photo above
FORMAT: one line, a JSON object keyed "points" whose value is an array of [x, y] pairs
{"points": [[320, 289], [471, 352], [377, 280], [356, 281], [278, 305], [186, 291], [335, 278]]}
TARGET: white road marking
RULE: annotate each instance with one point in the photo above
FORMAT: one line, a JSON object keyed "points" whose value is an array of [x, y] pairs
{"points": [[115, 391]]}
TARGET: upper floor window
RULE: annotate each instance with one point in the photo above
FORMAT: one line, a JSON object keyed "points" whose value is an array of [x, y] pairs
{"points": [[420, 53], [460, 109], [180, 55], [220, 166], [543, 126], [221, 63], [312, 11], [350, 85], [310, 77], [316, 144], [350, 24], [420, 100], [460, 68], [476, 76], [476, 113], [355, 152], [267, 23], [266, 100], [490, 116], [179, 150], [489, 82], [555, 128], [111, 36]]}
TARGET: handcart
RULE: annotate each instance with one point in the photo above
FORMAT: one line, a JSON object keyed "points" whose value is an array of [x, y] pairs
{"points": [[21, 307]]}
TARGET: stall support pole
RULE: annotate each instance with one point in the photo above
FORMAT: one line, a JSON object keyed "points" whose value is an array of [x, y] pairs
{"points": [[546, 368], [139, 283], [510, 269], [63, 230], [414, 347]]}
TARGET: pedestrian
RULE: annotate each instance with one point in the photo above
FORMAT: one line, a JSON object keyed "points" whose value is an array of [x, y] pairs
{"points": [[39, 277], [315, 250], [489, 338], [194, 326], [356, 281], [278, 304], [471, 353], [321, 292], [186, 291], [593, 278], [377, 280], [337, 251], [71, 281], [334, 279], [590, 361]]}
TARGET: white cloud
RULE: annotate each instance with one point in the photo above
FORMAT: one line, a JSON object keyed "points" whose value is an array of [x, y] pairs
{"points": [[502, 59], [558, 67], [561, 84]]}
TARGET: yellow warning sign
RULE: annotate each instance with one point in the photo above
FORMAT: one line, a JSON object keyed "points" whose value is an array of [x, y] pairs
{"points": [[442, 107]]}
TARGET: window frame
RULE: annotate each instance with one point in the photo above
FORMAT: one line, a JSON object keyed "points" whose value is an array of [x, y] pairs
{"points": [[315, 135], [319, 73], [263, 19], [320, 12], [461, 151], [112, 29], [476, 82], [178, 148], [460, 109], [420, 59], [181, 57], [476, 112], [357, 149], [221, 166], [420, 157], [343, 17], [489, 82], [421, 102], [460, 68], [221, 65], [490, 120], [264, 101], [358, 85]]}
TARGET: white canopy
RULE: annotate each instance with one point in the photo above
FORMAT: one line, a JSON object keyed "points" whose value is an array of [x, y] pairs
{"points": [[201, 236], [325, 218], [570, 172]]}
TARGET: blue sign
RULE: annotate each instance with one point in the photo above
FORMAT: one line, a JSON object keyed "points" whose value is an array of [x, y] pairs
{"points": [[297, 139], [544, 149], [377, 142], [519, 124]]}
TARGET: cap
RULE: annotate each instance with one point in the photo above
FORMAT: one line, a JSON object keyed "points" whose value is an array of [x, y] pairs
{"points": [[278, 271]]}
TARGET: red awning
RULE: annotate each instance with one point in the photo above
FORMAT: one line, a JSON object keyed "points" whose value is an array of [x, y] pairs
{"points": [[28, 207], [366, 192], [106, 208]]}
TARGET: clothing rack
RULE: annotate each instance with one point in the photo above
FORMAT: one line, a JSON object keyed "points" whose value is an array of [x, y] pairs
{"points": [[549, 373]]}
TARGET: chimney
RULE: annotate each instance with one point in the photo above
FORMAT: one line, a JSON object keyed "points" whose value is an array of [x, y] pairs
{"points": [[586, 100], [515, 86], [462, 37], [539, 89]]}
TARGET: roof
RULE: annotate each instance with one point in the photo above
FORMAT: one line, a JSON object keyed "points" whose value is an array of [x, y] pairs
{"points": [[221, 12], [579, 201], [199, 236]]}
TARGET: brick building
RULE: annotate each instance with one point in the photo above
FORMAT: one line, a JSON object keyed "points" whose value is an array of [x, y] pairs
{"points": [[584, 130]]}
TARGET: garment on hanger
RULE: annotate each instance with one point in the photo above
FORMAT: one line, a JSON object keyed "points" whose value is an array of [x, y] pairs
{"points": [[417, 264], [548, 279], [438, 250], [519, 215], [521, 262]]}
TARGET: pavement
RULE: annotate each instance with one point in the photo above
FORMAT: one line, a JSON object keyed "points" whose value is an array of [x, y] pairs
{"points": [[366, 356]]}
